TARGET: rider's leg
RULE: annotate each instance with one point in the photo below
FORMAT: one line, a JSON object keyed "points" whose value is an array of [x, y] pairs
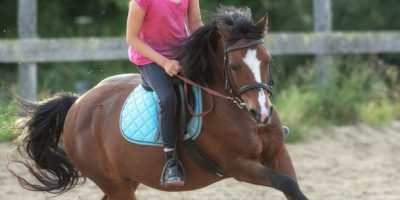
{"points": [[161, 83]]}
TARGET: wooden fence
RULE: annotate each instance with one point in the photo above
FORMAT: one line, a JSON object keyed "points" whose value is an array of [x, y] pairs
{"points": [[90, 49], [29, 50]]}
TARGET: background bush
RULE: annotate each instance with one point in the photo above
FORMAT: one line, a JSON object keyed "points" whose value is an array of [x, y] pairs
{"points": [[358, 90]]}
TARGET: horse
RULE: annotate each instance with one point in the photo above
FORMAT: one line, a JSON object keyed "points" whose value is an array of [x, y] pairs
{"points": [[71, 138]]}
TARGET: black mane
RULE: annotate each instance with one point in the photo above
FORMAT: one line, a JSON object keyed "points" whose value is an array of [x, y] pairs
{"points": [[197, 53]]}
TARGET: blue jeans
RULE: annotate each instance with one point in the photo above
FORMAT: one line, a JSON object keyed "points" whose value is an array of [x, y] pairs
{"points": [[155, 77]]}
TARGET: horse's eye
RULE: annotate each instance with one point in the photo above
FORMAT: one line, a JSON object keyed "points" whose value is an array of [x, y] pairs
{"points": [[235, 67]]}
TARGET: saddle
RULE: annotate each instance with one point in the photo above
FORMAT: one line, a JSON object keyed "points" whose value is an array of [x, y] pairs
{"points": [[139, 117], [139, 123]]}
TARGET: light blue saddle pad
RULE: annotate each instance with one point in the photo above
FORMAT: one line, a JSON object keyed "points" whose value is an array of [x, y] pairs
{"points": [[139, 118]]}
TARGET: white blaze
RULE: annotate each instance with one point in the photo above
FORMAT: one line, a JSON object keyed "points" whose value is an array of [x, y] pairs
{"points": [[254, 64]]}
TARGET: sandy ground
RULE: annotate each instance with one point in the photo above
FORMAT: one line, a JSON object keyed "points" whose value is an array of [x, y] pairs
{"points": [[359, 162]]}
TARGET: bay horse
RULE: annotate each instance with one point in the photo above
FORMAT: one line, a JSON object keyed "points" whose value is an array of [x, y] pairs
{"points": [[71, 138]]}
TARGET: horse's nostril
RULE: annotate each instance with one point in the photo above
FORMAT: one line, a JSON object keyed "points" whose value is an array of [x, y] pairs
{"points": [[255, 114]]}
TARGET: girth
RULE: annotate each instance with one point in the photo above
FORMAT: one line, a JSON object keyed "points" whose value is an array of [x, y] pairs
{"points": [[189, 146]]}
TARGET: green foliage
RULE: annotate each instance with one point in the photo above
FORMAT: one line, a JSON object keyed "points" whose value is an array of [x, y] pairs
{"points": [[7, 114], [81, 18], [358, 90], [70, 76], [377, 112], [8, 19], [366, 15], [295, 110], [71, 18], [296, 15]]}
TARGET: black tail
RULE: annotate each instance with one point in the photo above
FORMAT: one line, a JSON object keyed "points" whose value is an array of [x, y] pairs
{"points": [[43, 125]]}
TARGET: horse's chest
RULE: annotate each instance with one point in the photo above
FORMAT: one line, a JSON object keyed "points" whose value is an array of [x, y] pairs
{"points": [[252, 146]]}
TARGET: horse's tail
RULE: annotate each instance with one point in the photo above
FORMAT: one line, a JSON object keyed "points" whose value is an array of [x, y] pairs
{"points": [[43, 125]]}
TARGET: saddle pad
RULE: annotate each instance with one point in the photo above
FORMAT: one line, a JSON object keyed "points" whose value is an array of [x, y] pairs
{"points": [[139, 118]]}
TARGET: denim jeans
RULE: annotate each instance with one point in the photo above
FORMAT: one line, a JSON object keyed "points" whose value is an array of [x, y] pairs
{"points": [[155, 77]]}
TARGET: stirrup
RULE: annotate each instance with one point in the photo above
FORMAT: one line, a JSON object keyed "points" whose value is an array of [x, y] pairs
{"points": [[178, 183]]}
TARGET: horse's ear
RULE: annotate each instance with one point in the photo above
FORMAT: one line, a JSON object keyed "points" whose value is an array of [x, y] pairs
{"points": [[223, 29], [262, 24]]}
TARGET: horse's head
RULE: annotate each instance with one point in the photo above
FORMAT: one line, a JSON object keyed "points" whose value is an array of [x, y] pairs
{"points": [[247, 61], [235, 42]]}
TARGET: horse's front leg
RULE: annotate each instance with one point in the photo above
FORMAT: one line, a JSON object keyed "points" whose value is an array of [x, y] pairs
{"points": [[252, 171], [280, 162]]}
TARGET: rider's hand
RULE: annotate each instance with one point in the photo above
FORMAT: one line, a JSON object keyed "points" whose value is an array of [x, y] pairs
{"points": [[171, 67]]}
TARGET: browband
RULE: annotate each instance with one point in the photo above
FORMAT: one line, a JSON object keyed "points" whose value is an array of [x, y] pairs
{"points": [[250, 44]]}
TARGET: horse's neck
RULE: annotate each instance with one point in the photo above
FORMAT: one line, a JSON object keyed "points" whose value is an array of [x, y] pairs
{"points": [[217, 79]]}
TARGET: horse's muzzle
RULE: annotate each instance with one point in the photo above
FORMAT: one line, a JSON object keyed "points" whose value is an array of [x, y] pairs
{"points": [[261, 117]]}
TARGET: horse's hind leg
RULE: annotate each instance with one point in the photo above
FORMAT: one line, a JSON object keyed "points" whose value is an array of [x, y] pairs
{"points": [[119, 190]]}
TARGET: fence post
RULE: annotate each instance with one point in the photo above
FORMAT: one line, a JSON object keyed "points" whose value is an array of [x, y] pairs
{"points": [[27, 28], [322, 23]]}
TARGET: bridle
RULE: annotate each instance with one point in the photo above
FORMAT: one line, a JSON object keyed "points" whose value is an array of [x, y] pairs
{"points": [[235, 94]]}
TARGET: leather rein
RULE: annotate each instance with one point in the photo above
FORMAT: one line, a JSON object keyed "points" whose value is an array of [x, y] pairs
{"points": [[234, 95]]}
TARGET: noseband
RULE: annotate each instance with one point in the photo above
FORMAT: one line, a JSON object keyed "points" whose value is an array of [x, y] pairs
{"points": [[227, 75]]}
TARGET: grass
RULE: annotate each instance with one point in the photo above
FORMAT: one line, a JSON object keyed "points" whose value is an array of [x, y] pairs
{"points": [[375, 112], [293, 106], [7, 120]]}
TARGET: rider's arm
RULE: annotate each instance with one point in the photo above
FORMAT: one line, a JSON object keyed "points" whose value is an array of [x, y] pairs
{"points": [[194, 16], [135, 20]]}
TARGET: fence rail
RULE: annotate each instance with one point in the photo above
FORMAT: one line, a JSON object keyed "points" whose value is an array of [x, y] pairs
{"points": [[87, 49]]}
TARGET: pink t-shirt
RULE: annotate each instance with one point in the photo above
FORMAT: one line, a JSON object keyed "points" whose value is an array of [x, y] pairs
{"points": [[162, 29]]}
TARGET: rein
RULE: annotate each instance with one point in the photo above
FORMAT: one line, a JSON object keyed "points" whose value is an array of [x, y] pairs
{"points": [[209, 91]]}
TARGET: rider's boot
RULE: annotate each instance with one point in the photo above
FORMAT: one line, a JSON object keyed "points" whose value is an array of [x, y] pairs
{"points": [[173, 174]]}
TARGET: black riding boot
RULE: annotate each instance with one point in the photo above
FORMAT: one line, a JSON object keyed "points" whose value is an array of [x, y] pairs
{"points": [[173, 174]]}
